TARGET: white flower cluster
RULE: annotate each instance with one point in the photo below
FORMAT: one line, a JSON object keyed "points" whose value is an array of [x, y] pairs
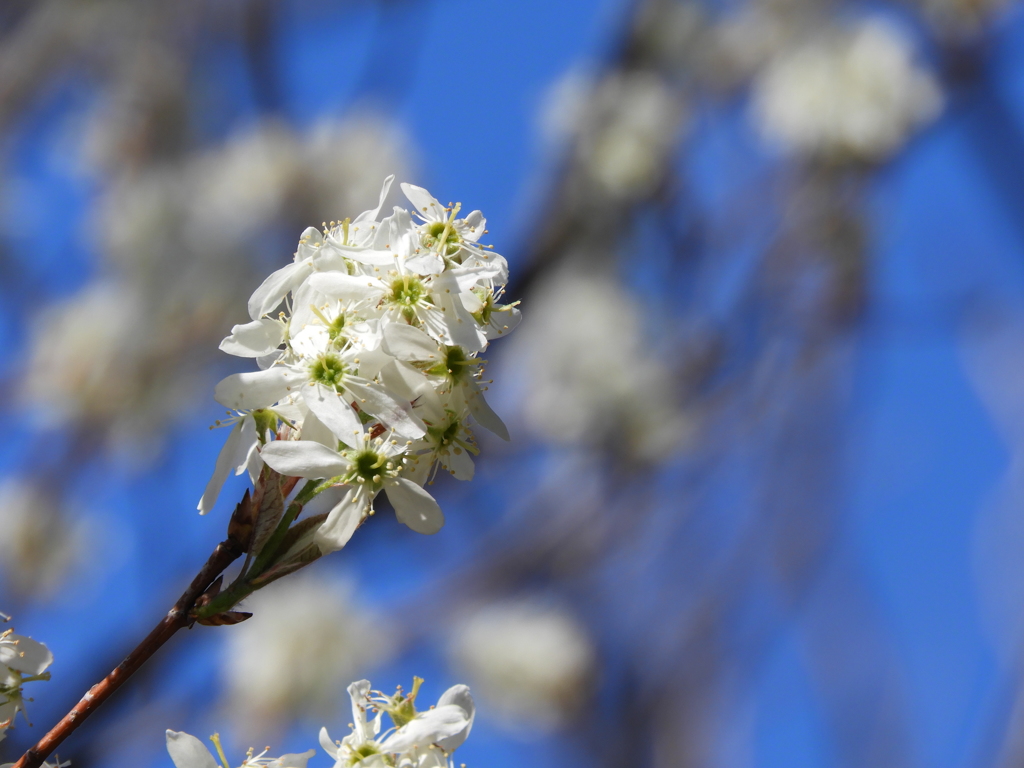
{"points": [[22, 660], [369, 378], [852, 93], [424, 739]]}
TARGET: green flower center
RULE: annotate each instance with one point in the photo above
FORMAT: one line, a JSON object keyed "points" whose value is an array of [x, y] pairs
{"points": [[369, 468], [432, 237], [484, 315], [329, 370], [407, 293], [363, 751], [455, 367]]}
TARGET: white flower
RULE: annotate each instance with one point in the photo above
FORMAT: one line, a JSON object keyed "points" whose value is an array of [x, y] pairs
{"points": [[329, 383], [458, 373], [22, 660], [187, 751], [853, 93], [425, 738], [533, 662], [371, 464]]}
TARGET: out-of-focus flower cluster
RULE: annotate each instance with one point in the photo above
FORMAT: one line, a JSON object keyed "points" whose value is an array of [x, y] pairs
{"points": [[38, 546], [308, 636], [22, 660], [420, 739], [846, 93], [533, 663], [370, 378]]}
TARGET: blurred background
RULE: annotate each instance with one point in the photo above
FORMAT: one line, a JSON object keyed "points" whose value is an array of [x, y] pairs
{"points": [[764, 500]]}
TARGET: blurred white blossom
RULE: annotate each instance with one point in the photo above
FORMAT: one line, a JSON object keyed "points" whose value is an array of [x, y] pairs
{"points": [[38, 546], [962, 20], [306, 638], [533, 663], [591, 375], [851, 93], [623, 125]]}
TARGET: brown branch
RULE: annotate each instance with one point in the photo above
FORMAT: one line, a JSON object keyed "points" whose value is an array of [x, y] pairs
{"points": [[225, 554]]}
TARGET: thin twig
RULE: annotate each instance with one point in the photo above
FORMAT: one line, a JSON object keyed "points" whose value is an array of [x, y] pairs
{"points": [[226, 553]]}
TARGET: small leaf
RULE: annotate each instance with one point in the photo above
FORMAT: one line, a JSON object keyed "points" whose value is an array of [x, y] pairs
{"points": [[240, 527], [298, 560], [224, 619], [269, 505]]}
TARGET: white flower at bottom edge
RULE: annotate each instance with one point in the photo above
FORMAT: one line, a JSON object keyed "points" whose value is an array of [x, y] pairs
{"points": [[425, 739], [23, 654], [371, 465], [445, 726], [361, 746], [22, 660], [187, 751]]}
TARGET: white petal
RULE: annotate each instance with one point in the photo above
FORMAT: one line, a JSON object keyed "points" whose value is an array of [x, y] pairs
{"points": [[412, 385], [334, 412], [486, 417], [459, 462], [394, 413], [414, 506], [460, 696], [471, 301], [256, 389], [461, 326], [428, 728], [351, 287], [276, 287], [292, 760], [358, 693], [328, 746], [226, 461], [316, 431], [246, 444], [371, 256], [255, 339], [425, 263], [474, 226], [341, 523], [409, 343], [188, 752], [303, 458], [372, 213], [25, 655], [503, 321], [425, 203]]}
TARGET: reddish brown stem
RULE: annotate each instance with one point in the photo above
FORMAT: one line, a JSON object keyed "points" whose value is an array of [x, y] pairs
{"points": [[225, 554]]}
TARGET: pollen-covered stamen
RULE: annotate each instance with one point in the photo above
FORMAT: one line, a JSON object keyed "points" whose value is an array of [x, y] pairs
{"points": [[328, 370], [401, 707]]}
